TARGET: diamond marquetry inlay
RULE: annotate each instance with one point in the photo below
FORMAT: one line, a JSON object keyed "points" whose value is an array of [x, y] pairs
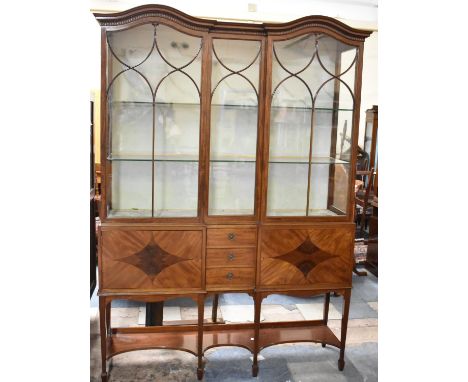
{"points": [[306, 257], [152, 259]]}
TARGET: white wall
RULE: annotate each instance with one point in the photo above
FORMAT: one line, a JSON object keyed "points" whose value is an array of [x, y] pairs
{"points": [[369, 92]]}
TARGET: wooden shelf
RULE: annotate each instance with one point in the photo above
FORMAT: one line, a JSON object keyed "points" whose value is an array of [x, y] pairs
{"points": [[319, 334], [214, 335], [242, 337], [124, 342]]}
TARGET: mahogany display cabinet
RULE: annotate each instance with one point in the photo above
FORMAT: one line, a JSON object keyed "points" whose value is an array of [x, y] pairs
{"points": [[228, 165]]}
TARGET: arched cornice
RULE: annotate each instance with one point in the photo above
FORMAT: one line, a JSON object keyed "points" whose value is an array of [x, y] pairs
{"points": [[319, 22], [142, 12], [138, 15]]}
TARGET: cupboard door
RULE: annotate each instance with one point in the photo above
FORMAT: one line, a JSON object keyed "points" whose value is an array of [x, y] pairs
{"points": [[134, 259], [311, 112], [233, 127], [153, 102], [311, 256]]}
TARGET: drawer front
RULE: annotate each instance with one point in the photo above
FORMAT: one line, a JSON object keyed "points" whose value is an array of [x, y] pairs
{"points": [[230, 257], [314, 256], [151, 260], [232, 237], [230, 277]]}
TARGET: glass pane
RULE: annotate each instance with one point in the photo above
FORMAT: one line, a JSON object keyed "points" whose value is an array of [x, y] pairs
{"points": [[232, 186], [175, 189], [233, 129], [326, 189], [335, 56], [289, 143], [177, 131], [131, 189], [287, 189], [343, 136], [311, 120], [233, 133], [154, 77], [340, 180], [131, 130]]}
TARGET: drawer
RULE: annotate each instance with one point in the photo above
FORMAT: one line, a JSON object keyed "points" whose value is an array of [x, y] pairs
{"points": [[232, 237], [230, 277], [230, 257]]}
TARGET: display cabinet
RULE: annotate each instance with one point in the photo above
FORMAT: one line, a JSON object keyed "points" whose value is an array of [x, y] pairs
{"points": [[228, 162], [370, 136]]}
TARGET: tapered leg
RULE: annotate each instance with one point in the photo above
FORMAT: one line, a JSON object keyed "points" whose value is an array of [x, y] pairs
{"points": [[108, 317], [214, 312], [326, 306], [201, 312], [258, 307], [103, 332], [344, 327]]}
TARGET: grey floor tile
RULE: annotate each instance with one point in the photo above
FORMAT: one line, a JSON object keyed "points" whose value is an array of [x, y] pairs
{"points": [[236, 299], [280, 299], [181, 301], [356, 309]]}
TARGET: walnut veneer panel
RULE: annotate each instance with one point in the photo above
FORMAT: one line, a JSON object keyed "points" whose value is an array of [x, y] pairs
{"points": [[232, 237], [230, 257], [133, 259], [230, 277], [307, 256]]}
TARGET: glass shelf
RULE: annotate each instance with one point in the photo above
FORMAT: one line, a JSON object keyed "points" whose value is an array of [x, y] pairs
{"points": [[149, 158], [189, 158], [297, 212], [141, 213], [299, 160], [223, 105]]}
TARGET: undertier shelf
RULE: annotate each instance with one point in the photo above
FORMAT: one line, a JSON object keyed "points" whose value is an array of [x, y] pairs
{"points": [[242, 335], [124, 342], [319, 334]]}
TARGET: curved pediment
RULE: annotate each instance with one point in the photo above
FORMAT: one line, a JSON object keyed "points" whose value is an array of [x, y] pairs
{"points": [[153, 12]]}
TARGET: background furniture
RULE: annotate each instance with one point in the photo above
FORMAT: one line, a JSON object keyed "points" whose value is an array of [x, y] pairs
{"points": [[370, 136], [92, 210], [228, 165], [364, 194], [372, 259]]}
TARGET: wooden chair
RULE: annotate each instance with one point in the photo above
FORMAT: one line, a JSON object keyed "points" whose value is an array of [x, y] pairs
{"points": [[364, 194]]}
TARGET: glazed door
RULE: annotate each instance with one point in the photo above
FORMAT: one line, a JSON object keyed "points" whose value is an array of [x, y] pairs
{"points": [[310, 110], [234, 121], [153, 94]]}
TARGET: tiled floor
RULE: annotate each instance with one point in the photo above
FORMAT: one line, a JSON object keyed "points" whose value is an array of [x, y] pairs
{"points": [[282, 363]]}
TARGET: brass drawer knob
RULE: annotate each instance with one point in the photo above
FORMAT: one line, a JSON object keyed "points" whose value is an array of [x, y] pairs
{"points": [[230, 276], [231, 256], [231, 236]]}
